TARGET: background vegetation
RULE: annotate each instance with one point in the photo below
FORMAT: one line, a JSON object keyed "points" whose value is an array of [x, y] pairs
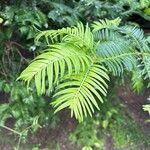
{"points": [[25, 112]]}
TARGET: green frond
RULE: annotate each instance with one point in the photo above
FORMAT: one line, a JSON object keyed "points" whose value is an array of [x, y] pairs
{"points": [[80, 93], [141, 43], [147, 108], [137, 81], [148, 39], [59, 60], [79, 36], [145, 64], [105, 24], [133, 32], [115, 52], [144, 60], [68, 65], [106, 35]]}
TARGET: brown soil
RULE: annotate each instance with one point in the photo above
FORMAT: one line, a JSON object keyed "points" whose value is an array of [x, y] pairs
{"points": [[59, 135], [134, 103], [109, 142], [3, 98]]}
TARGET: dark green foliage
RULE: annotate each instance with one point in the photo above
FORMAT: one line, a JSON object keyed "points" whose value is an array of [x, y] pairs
{"points": [[21, 23], [25, 107], [21, 20], [61, 12]]}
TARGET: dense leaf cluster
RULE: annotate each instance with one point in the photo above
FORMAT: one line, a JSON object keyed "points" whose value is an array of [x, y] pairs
{"points": [[77, 56]]}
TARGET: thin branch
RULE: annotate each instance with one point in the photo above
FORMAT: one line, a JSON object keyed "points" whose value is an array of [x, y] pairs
{"points": [[14, 131]]}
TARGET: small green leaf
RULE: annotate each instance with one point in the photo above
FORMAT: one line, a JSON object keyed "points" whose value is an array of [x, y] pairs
{"points": [[105, 124], [1, 20]]}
